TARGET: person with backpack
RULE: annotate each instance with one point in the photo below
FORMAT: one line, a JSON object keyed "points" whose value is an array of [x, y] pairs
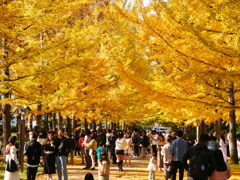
{"points": [[33, 151], [177, 150], [202, 161]]}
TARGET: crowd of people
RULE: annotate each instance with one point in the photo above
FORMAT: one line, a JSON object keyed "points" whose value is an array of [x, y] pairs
{"points": [[169, 153]]}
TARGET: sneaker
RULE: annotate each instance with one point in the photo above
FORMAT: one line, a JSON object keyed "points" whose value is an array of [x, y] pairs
{"points": [[93, 168]]}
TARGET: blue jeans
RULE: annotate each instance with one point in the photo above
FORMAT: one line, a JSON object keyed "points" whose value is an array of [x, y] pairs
{"points": [[61, 162]]}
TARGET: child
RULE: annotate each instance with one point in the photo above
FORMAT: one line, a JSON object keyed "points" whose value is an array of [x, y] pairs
{"points": [[152, 167], [100, 149], [103, 167]]}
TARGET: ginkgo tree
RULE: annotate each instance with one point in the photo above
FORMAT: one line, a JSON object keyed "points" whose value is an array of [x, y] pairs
{"points": [[191, 49], [35, 36]]}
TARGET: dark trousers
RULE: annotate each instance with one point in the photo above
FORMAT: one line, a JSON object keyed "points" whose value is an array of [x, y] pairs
{"points": [[31, 173], [177, 165], [154, 149], [136, 149], [88, 159], [114, 157]]}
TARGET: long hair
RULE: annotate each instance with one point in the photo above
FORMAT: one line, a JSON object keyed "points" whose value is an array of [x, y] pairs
{"points": [[222, 137], [47, 139], [220, 163]]}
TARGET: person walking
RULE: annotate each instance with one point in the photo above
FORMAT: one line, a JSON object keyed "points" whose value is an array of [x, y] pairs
{"points": [[152, 167], [165, 152], [121, 144], [222, 171], [103, 167], [145, 142], [33, 151], [62, 151], [11, 153], [177, 150], [49, 156], [200, 150]]}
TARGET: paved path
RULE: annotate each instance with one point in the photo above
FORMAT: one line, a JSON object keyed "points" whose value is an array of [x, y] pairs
{"points": [[138, 170]]}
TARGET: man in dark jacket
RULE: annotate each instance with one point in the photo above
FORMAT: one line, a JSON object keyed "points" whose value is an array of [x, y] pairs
{"points": [[62, 151], [33, 151], [145, 143], [207, 157], [136, 142]]}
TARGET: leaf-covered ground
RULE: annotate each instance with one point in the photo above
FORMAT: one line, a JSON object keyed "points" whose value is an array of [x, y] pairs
{"points": [[138, 170]]}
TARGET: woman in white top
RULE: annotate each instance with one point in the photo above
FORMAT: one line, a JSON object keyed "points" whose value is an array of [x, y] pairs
{"points": [[165, 152], [121, 144], [161, 143], [11, 153], [154, 138], [128, 150], [223, 146]]}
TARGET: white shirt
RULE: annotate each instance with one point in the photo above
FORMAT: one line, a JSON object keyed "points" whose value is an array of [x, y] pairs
{"points": [[166, 153], [155, 139], [121, 144]]}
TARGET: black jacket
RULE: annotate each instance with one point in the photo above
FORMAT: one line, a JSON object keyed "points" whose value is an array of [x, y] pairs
{"points": [[144, 141], [62, 146], [207, 159], [33, 151]]}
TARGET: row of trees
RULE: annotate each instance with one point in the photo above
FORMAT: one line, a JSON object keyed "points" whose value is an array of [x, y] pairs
{"points": [[121, 60]]}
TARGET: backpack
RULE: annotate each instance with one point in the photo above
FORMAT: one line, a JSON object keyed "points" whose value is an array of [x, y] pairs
{"points": [[196, 168]]}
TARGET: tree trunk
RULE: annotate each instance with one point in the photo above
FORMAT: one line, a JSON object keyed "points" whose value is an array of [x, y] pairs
{"points": [[85, 124], [218, 127], [232, 118], [46, 122], [69, 129], [39, 116], [6, 120], [203, 128], [59, 121], [54, 121], [94, 126], [74, 124]]}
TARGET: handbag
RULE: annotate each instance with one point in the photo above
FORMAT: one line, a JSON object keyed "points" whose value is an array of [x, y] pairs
{"points": [[170, 169], [11, 165]]}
